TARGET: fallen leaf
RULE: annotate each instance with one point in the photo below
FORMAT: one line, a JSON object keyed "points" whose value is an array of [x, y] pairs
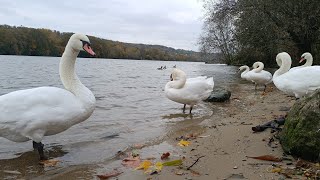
{"points": [[145, 165], [165, 155], [183, 143], [109, 175], [158, 166], [132, 162], [49, 162], [267, 158], [173, 163], [194, 172]]}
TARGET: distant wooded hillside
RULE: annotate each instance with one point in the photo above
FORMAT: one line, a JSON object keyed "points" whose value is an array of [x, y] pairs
{"points": [[45, 42]]}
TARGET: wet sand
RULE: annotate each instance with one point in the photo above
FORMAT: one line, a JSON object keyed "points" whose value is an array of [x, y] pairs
{"points": [[228, 140], [226, 143]]}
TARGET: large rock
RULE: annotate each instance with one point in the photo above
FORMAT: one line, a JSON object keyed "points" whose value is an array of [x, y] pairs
{"points": [[219, 95], [301, 135]]}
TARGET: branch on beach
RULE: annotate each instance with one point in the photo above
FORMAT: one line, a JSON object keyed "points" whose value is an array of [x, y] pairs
{"points": [[194, 162]]}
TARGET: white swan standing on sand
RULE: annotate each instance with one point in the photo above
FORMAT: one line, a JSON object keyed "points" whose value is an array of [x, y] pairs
{"points": [[299, 82], [304, 57], [260, 76], [188, 91], [34, 113], [256, 75]]}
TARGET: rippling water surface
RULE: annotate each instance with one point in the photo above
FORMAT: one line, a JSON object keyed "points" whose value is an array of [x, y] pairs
{"points": [[131, 105]]}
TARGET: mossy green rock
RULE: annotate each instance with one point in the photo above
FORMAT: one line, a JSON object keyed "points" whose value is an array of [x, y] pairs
{"points": [[301, 135]]}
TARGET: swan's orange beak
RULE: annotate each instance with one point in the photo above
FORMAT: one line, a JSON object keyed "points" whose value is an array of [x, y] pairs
{"points": [[301, 60], [88, 49]]}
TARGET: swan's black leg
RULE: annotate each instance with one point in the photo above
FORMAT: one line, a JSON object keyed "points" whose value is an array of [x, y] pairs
{"points": [[190, 109], [184, 108], [255, 86], [265, 87], [39, 148]]}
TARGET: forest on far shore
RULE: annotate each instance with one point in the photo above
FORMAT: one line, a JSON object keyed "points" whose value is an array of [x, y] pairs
{"points": [[45, 42]]}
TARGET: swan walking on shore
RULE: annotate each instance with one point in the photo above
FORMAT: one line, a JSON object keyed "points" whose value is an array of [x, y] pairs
{"points": [[260, 76], [298, 82], [34, 113], [188, 91]]}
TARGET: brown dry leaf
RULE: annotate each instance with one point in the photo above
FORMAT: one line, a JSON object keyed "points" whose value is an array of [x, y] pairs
{"points": [[267, 158], [165, 155], [50, 162], [195, 173], [109, 175], [132, 162]]}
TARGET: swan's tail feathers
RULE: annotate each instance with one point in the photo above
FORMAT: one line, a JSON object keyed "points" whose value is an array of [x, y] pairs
{"points": [[210, 82]]}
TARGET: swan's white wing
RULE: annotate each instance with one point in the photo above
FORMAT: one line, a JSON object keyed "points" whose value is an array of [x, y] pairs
{"points": [[262, 77], [36, 112]]}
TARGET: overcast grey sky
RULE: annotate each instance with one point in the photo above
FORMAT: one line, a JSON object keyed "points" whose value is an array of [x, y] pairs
{"points": [[173, 23]]}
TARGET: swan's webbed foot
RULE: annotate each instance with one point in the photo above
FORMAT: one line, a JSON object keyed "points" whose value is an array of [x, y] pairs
{"points": [[39, 148], [184, 108]]}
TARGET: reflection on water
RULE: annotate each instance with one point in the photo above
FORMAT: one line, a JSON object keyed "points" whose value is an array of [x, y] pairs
{"points": [[131, 106]]}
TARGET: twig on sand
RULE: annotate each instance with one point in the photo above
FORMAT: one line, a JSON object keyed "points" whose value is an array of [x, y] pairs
{"points": [[194, 162]]}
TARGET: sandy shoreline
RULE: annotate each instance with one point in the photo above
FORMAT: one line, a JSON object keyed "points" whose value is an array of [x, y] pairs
{"points": [[226, 143], [227, 140]]}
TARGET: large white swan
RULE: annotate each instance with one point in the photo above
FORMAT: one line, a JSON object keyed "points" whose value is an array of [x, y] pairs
{"points": [[34, 113], [188, 91], [299, 82], [304, 57]]}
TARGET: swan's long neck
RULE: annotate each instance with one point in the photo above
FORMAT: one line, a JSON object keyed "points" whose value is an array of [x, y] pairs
{"points": [[70, 79], [177, 83], [309, 61], [285, 64], [245, 71], [259, 66]]}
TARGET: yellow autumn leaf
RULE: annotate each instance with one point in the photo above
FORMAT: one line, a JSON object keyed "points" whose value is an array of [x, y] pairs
{"points": [[145, 165], [183, 143], [158, 166], [177, 162]]}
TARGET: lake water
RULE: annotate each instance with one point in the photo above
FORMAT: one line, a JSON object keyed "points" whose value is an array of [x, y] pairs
{"points": [[131, 106]]}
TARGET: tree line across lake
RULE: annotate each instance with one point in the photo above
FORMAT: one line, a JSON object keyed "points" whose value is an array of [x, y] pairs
{"points": [[45, 42]]}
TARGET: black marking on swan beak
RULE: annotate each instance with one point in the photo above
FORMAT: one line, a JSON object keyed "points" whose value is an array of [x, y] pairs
{"points": [[85, 42], [171, 79]]}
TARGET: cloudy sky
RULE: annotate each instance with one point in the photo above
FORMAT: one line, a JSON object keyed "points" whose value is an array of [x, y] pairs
{"points": [[173, 23]]}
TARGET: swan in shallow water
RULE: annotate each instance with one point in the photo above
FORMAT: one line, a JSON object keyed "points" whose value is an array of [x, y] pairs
{"points": [[256, 75], [299, 82], [34, 113], [304, 57], [188, 91]]}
